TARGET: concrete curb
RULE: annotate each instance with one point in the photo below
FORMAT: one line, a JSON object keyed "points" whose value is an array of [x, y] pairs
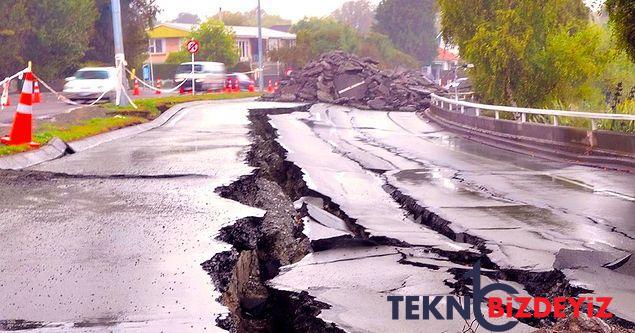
{"points": [[57, 148]]}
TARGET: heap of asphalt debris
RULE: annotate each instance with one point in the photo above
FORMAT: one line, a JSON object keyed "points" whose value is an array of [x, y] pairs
{"points": [[346, 79]]}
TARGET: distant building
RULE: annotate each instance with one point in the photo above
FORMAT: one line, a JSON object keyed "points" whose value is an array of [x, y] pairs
{"points": [[281, 27], [166, 38]]}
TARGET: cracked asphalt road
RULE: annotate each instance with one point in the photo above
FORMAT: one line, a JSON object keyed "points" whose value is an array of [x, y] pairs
{"points": [[112, 238], [529, 214]]}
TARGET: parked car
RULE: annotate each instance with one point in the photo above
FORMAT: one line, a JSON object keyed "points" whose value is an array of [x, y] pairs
{"points": [[206, 75], [244, 81], [89, 83]]}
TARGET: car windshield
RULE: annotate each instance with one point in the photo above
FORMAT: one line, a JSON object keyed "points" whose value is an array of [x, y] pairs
{"points": [[91, 75], [187, 68]]}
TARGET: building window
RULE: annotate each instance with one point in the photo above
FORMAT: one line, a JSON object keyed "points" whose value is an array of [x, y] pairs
{"points": [[157, 46], [243, 48], [274, 44]]}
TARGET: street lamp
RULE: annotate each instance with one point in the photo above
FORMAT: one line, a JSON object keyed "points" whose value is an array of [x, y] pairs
{"points": [[120, 58], [261, 79]]}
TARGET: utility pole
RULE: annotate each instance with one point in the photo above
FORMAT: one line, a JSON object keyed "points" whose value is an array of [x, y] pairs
{"points": [[261, 78], [120, 58]]}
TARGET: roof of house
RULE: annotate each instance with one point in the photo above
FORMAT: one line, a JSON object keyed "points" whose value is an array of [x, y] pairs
{"points": [[170, 30], [252, 32], [445, 55], [180, 30], [281, 27]]}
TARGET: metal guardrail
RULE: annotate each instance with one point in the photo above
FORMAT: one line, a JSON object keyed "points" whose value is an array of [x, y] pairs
{"points": [[458, 105]]}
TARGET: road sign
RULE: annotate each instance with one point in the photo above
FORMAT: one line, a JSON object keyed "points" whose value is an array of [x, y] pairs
{"points": [[193, 46]]}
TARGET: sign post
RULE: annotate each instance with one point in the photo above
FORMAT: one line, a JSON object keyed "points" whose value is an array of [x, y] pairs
{"points": [[193, 46]]}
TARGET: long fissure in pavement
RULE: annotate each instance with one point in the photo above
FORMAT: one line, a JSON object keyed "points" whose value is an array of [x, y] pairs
{"points": [[304, 228]]}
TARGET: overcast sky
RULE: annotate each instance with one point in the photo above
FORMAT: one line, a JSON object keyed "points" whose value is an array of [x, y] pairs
{"points": [[290, 9]]}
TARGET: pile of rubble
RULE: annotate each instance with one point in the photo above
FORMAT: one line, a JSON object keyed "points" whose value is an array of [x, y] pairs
{"points": [[345, 79]]}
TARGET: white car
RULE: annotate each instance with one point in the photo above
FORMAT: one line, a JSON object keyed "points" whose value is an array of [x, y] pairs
{"points": [[91, 82], [207, 75]]}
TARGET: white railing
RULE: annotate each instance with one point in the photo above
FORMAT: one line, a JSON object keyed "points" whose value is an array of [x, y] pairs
{"points": [[458, 96], [462, 106], [7, 79]]}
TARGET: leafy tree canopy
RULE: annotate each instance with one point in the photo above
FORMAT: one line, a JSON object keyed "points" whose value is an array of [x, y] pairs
{"points": [[358, 14], [525, 52], [319, 35], [187, 18], [622, 15], [217, 44], [136, 17], [250, 18], [410, 24], [53, 34]]}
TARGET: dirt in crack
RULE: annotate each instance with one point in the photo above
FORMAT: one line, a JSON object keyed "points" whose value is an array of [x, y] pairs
{"points": [[262, 245]]}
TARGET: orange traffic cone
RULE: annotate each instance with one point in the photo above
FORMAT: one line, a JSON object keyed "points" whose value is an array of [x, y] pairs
{"points": [[136, 91], [270, 87], [5, 94], [36, 93], [23, 120], [157, 91], [251, 88]]}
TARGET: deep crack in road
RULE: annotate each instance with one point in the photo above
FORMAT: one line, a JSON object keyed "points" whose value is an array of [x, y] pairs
{"points": [[328, 210]]}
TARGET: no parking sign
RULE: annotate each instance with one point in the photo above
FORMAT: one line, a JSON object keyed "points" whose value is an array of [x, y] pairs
{"points": [[193, 46]]}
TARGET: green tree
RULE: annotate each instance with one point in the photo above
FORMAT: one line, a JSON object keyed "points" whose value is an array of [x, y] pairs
{"points": [[136, 17], [525, 52], [314, 37], [622, 15], [187, 18], [381, 48], [217, 44], [250, 18], [319, 35], [15, 25], [59, 35], [410, 24], [359, 14]]}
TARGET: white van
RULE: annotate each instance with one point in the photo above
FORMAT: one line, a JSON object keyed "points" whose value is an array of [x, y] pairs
{"points": [[207, 75]]}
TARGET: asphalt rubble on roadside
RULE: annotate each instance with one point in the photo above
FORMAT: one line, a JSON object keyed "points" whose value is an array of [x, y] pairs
{"points": [[342, 78]]}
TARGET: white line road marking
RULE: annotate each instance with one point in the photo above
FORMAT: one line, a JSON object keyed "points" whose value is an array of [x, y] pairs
{"points": [[351, 87]]}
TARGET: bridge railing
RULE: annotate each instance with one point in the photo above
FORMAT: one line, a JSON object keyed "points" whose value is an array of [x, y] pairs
{"points": [[454, 105]]}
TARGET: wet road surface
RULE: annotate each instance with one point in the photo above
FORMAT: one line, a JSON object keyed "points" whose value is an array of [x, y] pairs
{"points": [[530, 214], [113, 238]]}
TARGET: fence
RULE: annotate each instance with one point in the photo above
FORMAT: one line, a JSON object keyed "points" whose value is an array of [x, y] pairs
{"points": [[477, 109]]}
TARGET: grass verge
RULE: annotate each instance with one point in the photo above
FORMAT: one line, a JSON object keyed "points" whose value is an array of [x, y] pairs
{"points": [[75, 132], [153, 107], [148, 109]]}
